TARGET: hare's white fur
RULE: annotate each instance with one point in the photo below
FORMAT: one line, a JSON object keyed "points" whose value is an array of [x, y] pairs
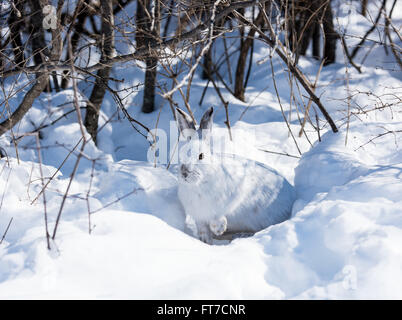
{"points": [[228, 194]]}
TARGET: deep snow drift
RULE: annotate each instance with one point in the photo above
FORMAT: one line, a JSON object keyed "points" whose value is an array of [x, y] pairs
{"points": [[343, 240]]}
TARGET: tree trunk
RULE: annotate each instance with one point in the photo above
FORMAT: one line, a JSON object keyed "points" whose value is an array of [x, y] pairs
{"points": [[364, 7], [38, 43], [309, 33], [207, 70], [245, 46], [102, 76], [148, 29], [149, 85], [316, 42], [15, 24], [301, 35], [330, 36], [42, 78]]}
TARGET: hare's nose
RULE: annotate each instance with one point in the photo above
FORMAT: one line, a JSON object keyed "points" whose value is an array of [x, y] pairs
{"points": [[184, 171]]}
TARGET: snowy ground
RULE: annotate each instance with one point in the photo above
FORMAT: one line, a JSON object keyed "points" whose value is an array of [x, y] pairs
{"points": [[343, 240]]}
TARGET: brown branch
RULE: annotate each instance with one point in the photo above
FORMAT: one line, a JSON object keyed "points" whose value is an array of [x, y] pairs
{"points": [[306, 113], [5, 232], [26, 104], [42, 80], [347, 54], [141, 53], [388, 22], [292, 67], [379, 136], [280, 153], [360, 44]]}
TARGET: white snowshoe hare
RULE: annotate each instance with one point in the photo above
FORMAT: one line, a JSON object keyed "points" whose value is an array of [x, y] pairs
{"points": [[227, 195]]}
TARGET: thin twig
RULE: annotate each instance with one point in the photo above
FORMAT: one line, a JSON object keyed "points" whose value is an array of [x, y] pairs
{"points": [[5, 232], [280, 153]]}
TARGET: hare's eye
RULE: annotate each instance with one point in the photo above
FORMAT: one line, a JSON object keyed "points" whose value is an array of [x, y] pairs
{"points": [[201, 156]]}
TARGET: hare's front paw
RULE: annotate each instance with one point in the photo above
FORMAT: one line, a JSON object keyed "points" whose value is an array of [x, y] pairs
{"points": [[204, 233], [218, 226]]}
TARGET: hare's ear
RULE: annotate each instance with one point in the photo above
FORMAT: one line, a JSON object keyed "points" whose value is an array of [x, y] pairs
{"points": [[184, 123], [206, 120]]}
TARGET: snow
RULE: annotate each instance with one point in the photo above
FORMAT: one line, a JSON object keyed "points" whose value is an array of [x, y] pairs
{"points": [[342, 241]]}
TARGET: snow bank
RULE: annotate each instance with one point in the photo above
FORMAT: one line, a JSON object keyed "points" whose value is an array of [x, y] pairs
{"points": [[342, 242]]}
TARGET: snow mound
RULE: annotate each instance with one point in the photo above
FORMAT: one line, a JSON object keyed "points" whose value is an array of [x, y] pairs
{"points": [[342, 242]]}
